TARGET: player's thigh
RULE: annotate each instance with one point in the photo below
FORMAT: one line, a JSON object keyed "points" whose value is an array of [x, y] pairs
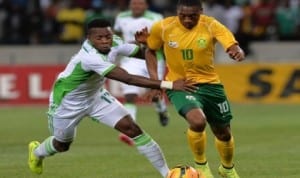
{"points": [[216, 105], [183, 101], [107, 109], [63, 121]]}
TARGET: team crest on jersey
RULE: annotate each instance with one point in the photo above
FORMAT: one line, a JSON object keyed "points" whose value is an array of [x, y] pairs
{"points": [[173, 44], [201, 43]]}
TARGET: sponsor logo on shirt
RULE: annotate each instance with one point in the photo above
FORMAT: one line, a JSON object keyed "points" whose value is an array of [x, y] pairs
{"points": [[173, 44], [190, 97]]}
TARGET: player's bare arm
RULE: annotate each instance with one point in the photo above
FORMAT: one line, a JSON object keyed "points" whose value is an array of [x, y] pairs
{"points": [[150, 56], [122, 75], [236, 53], [151, 62], [140, 53]]}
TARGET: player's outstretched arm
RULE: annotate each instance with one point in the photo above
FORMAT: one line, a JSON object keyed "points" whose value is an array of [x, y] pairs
{"points": [[151, 62], [122, 75]]}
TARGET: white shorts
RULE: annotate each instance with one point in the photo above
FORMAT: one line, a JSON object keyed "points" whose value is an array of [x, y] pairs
{"points": [[138, 67], [63, 119]]}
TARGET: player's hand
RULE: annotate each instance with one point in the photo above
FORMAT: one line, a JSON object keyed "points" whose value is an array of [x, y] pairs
{"points": [[184, 85], [152, 94], [141, 36], [236, 53]]}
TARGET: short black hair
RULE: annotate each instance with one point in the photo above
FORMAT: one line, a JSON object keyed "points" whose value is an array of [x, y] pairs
{"points": [[190, 3], [98, 22]]}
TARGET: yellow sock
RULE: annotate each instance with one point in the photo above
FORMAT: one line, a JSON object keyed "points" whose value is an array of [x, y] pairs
{"points": [[197, 143], [226, 150]]}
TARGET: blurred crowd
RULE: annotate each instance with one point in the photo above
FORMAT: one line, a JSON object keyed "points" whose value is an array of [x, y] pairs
{"points": [[62, 21]]}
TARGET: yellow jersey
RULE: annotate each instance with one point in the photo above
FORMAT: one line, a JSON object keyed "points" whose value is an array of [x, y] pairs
{"points": [[73, 22], [190, 52]]}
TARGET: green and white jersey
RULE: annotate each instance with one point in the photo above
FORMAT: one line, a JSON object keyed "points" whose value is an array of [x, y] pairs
{"points": [[85, 73], [128, 25]]}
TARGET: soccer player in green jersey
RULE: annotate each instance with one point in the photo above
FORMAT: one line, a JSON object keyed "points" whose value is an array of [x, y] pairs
{"points": [[188, 40], [78, 92]]}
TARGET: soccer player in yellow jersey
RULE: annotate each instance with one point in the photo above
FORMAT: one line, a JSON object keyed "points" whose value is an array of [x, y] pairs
{"points": [[188, 40]]}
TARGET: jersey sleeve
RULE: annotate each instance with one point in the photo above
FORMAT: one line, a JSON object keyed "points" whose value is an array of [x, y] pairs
{"points": [[126, 49], [154, 40], [98, 64], [223, 34]]}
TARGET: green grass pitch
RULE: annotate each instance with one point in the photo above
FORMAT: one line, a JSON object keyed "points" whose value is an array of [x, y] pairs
{"points": [[267, 144]]}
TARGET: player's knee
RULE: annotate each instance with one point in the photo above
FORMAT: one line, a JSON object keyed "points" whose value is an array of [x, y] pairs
{"points": [[155, 99], [223, 136], [128, 127], [197, 120], [132, 130], [61, 146], [198, 125], [131, 98]]}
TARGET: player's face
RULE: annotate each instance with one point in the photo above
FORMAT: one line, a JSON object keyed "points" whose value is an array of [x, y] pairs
{"points": [[101, 39], [138, 7], [189, 15]]}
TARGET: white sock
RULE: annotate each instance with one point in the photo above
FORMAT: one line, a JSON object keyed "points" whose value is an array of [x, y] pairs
{"points": [[132, 109], [160, 105], [46, 148], [151, 150]]}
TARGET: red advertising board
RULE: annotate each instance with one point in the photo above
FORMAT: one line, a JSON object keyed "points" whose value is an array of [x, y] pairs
{"points": [[278, 83], [26, 84], [20, 85]]}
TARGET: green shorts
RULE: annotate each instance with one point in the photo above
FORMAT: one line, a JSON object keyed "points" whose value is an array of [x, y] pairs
{"points": [[211, 98]]}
